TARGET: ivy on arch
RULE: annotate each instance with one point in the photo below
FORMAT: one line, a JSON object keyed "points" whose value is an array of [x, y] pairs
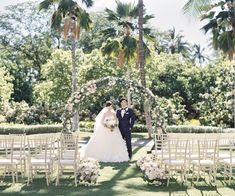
{"points": [[107, 82]]}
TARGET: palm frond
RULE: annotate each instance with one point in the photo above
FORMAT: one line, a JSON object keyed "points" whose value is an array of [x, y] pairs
{"points": [[88, 3], [210, 25], [196, 7], [226, 41], [76, 31], [111, 47], [109, 32], [44, 5], [129, 44], [67, 26], [56, 20], [123, 9], [84, 20], [121, 58], [147, 18], [210, 15], [134, 12], [66, 6], [223, 15], [111, 15]]}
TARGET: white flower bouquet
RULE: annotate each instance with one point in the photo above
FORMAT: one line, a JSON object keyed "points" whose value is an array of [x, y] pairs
{"points": [[88, 171], [153, 173], [110, 124]]}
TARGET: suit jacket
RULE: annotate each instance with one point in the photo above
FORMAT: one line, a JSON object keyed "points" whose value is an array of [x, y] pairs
{"points": [[127, 121]]}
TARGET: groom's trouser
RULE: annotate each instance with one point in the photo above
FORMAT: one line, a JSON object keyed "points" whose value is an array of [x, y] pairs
{"points": [[126, 135]]}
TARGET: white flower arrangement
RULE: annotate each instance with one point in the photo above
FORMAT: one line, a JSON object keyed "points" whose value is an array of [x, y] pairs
{"points": [[151, 170], [88, 171], [110, 124]]}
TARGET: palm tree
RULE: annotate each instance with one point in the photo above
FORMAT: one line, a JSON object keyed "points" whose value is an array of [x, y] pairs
{"points": [[73, 18], [122, 41], [142, 64], [197, 55], [177, 44], [221, 23]]}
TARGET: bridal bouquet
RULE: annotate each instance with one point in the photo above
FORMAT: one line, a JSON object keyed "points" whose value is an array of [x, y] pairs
{"points": [[88, 171], [110, 123], [152, 170]]}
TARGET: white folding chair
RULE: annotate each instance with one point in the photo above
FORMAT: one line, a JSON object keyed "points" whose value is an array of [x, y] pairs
{"points": [[207, 159], [39, 146], [68, 156], [177, 161], [7, 163]]}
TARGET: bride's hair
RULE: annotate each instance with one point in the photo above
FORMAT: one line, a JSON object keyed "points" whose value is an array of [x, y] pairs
{"points": [[108, 103]]}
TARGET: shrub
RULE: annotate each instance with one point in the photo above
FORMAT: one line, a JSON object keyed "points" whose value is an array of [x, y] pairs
{"points": [[192, 129], [32, 129]]}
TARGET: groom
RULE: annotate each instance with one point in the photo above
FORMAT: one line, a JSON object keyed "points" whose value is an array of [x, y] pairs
{"points": [[126, 118]]}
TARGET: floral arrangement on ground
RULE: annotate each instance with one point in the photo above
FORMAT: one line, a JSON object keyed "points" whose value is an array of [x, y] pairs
{"points": [[152, 170], [88, 171]]}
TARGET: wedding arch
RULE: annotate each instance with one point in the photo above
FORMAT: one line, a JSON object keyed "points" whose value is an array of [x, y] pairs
{"points": [[94, 85]]}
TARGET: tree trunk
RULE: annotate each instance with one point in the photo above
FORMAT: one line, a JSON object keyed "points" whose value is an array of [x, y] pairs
{"points": [[75, 121], [142, 65], [128, 90]]}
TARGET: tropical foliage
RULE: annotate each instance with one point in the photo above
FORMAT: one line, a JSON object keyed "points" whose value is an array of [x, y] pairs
{"points": [[36, 76], [220, 16]]}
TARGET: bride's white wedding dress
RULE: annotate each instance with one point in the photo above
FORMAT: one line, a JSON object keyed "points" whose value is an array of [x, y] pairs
{"points": [[106, 145]]}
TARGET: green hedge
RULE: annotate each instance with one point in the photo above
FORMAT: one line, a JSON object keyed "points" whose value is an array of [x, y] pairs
{"points": [[30, 129], [88, 126], [192, 129]]}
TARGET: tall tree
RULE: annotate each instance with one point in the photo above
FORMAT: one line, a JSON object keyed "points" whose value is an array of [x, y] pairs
{"points": [[142, 64], [122, 41], [177, 44], [221, 24], [25, 46], [73, 18], [198, 55]]}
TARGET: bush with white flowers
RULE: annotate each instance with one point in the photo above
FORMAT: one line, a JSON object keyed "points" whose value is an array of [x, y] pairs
{"points": [[152, 170], [88, 171]]}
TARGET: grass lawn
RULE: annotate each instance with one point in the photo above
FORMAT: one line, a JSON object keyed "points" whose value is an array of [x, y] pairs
{"points": [[116, 179]]}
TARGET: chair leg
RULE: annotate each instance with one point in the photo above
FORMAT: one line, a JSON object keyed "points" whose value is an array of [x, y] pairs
{"points": [[13, 175], [30, 176], [47, 169], [16, 173], [168, 179], [215, 171], [225, 172], [198, 173], [75, 176], [58, 177], [230, 174]]}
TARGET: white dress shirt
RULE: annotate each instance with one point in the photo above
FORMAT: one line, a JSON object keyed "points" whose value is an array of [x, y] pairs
{"points": [[123, 111]]}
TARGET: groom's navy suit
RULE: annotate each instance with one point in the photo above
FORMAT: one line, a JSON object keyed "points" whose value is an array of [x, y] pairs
{"points": [[125, 125]]}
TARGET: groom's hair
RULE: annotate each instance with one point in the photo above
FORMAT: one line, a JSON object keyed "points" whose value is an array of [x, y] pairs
{"points": [[108, 103], [123, 99]]}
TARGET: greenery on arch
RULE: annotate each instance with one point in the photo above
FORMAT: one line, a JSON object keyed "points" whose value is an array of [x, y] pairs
{"points": [[95, 85]]}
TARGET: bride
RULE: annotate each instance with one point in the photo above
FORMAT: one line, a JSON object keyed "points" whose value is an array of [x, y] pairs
{"points": [[106, 144]]}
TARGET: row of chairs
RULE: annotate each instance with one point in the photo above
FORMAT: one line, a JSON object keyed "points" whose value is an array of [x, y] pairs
{"points": [[197, 154], [42, 153]]}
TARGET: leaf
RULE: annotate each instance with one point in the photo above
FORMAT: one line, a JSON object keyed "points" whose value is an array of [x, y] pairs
{"points": [[212, 24], [67, 26], [56, 20], [210, 15], [121, 58], [44, 5]]}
